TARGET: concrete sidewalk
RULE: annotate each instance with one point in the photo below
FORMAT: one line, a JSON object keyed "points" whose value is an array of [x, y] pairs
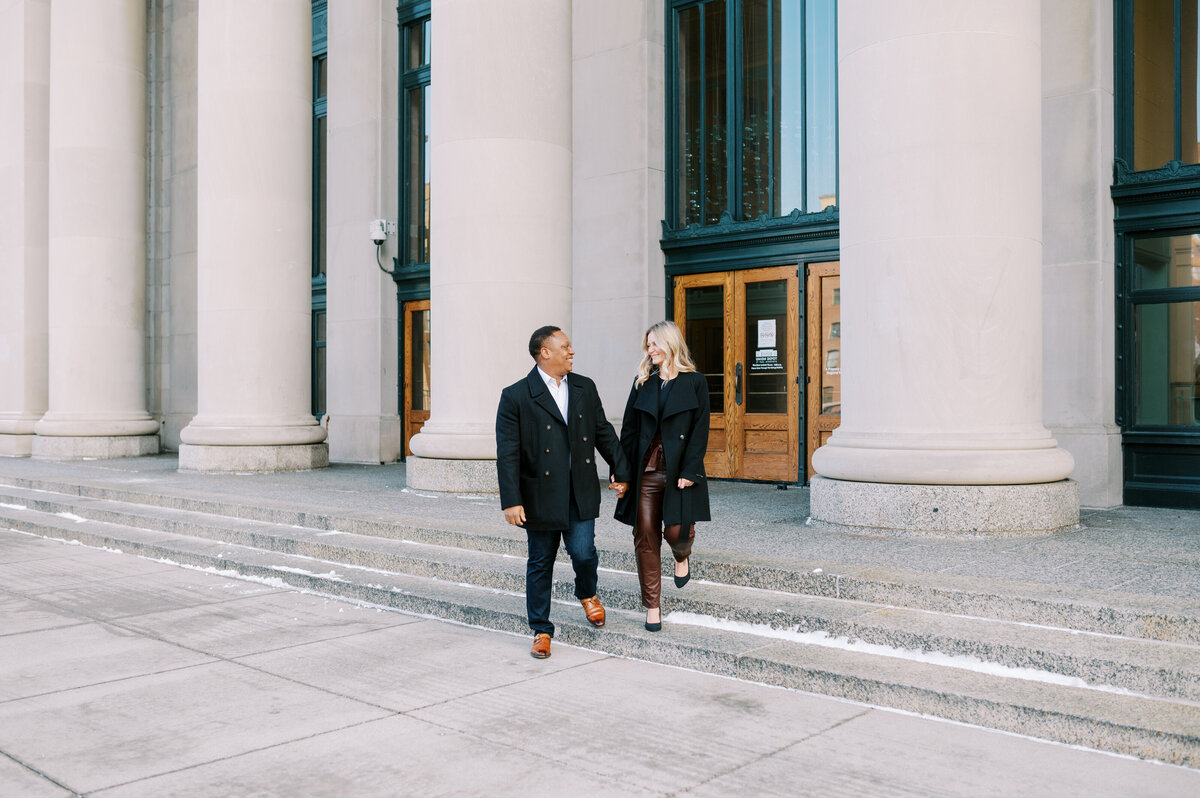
{"points": [[125, 677]]}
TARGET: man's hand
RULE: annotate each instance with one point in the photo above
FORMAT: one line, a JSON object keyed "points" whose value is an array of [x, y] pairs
{"points": [[619, 487], [515, 515]]}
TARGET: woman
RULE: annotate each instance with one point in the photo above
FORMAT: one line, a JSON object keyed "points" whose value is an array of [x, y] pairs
{"points": [[664, 435]]}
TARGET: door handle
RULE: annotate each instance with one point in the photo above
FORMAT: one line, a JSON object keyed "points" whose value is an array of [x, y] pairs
{"points": [[737, 384]]}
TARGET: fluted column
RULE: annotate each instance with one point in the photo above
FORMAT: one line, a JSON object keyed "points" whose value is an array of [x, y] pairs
{"points": [[500, 151], [25, 92], [97, 233], [941, 236], [254, 210]]}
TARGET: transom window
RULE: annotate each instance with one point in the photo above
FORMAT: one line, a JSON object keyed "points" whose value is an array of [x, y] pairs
{"points": [[753, 119]]}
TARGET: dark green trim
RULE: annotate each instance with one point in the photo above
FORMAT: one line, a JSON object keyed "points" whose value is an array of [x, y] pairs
{"points": [[1161, 464]]}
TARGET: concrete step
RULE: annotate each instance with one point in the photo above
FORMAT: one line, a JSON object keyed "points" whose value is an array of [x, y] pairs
{"points": [[1101, 612], [1148, 667], [1140, 725]]}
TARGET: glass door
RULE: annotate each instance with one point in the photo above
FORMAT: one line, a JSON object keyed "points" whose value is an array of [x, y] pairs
{"points": [[743, 330], [416, 369]]}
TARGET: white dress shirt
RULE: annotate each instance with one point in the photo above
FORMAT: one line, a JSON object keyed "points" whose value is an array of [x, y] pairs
{"points": [[559, 392]]}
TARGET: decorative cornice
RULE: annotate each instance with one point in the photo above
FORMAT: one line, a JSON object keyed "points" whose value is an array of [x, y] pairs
{"points": [[1175, 170]]}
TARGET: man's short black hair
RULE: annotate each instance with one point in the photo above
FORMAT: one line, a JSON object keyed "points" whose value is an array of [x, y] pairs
{"points": [[538, 339]]}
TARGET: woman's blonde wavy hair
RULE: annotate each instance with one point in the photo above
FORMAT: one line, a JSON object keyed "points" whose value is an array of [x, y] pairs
{"points": [[676, 357]]}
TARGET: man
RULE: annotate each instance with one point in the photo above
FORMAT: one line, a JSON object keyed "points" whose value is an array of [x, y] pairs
{"points": [[548, 428]]}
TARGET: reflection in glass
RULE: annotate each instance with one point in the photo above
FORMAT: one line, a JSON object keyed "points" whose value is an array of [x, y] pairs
{"points": [[783, 129], [318, 366], [703, 160], [1166, 342], [704, 331], [322, 66], [320, 205], [1167, 262], [418, 44], [831, 355], [419, 351], [418, 176], [1165, 114], [766, 347], [757, 177], [820, 134]]}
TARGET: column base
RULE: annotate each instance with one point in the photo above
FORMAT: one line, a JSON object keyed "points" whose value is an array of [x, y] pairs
{"points": [[859, 506], [16, 445], [97, 447], [242, 459], [451, 476]]}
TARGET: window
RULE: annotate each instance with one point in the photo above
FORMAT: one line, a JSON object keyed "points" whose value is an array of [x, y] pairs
{"points": [[752, 120], [1165, 68], [415, 178], [1156, 198], [320, 140]]}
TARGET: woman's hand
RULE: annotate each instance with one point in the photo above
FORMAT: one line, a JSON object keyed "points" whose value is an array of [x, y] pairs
{"points": [[685, 483]]}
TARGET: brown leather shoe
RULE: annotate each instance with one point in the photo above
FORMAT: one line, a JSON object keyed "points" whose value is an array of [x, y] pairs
{"points": [[593, 610], [541, 646]]}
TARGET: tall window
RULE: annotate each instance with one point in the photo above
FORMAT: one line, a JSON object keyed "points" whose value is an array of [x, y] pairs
{"points": [[415, 196], [1156, 195], [320, 137], [753, 109]]}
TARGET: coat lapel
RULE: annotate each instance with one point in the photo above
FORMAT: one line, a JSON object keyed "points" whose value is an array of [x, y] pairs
{"points": [[541, 395], [647, 397], [682, 396]]}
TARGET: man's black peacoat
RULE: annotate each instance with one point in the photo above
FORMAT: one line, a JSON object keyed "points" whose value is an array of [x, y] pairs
{"points": [[542, 461], [685, 439]]}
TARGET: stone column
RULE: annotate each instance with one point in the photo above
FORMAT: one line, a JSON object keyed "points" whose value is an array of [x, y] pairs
{"points": [[500, 149], [941, 288], [97, 233], [25, 93], [254, 270]]}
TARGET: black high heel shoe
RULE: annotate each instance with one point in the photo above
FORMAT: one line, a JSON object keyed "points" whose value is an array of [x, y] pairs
{"points": [[680, 581], [654, 627]]}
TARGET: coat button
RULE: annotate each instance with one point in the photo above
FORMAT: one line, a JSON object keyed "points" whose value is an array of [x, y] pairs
{"points": [[589, 462], [680, 437], [547, 426], [547, 473], [585, 437], [547, 451]]}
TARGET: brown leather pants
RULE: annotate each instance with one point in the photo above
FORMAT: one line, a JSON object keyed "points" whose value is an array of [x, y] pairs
{"points": [[648, 532]]}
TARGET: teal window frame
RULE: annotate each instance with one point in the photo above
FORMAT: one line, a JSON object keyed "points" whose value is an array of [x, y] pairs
{"points": [[1161, 463], [733, 242], [733, 128], [320, 52], [410, 273]]}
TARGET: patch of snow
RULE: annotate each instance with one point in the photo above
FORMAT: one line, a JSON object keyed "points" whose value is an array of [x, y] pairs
{"points": [[823, 639], [71, 517], [13, 506]]}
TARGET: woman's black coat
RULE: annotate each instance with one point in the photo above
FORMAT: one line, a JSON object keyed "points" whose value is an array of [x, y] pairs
{"points": [[685, 439]]}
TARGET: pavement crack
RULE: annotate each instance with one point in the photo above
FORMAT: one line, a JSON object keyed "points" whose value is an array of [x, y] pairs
{"points": [[769, 754], [40, 774]]}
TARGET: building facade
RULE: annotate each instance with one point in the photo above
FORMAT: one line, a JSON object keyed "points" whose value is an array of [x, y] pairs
{"points": [[934, 257]]}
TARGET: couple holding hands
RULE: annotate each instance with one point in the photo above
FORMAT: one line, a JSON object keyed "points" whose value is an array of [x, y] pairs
{"points": [[549, 427]]}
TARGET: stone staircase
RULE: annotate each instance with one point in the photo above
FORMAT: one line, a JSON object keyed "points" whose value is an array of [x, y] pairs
{"points": [[1116, 672]]}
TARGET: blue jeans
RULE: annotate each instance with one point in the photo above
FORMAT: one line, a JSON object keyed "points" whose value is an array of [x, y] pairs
{"points": [[580, 540]]}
